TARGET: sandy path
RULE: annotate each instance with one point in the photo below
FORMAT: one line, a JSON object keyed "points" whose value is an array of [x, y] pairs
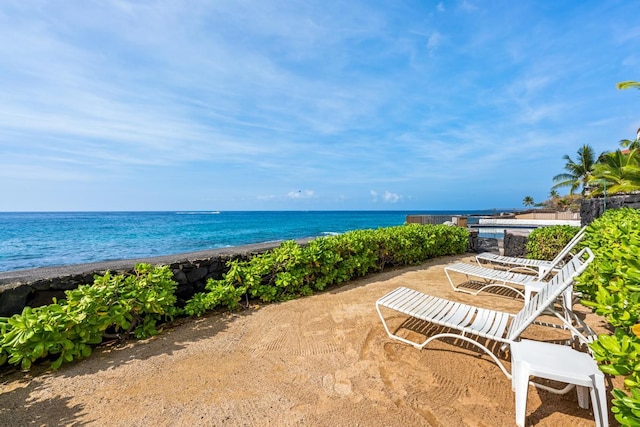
{"points": [[318, 361]]}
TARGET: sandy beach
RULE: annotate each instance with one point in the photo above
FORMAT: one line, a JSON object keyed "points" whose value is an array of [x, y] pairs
{"points": [[323, 360]]}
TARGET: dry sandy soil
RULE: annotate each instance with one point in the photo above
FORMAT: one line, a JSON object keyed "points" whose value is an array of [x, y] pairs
{"points": [[324, 360]]}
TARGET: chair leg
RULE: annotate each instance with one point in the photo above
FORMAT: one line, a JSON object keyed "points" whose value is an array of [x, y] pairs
{"points": [[583, 396], [599, 400], [520, 382]]}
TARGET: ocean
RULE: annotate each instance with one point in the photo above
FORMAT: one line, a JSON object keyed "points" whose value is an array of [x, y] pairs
{"points": [[46, 239]]}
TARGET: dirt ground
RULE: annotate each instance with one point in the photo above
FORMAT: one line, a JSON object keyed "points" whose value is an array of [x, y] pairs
{"points": [[324, 360]]}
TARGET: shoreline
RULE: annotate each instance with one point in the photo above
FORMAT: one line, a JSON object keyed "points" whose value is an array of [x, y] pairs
{"points": [[44, 273], [55, 239]]}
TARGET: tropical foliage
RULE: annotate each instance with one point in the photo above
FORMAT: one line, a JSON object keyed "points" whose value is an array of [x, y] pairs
{"points": [[628, 85], [617, 172], [611, 287], [292, 270], [115, 306], [577, 172], [631, 144], [528, 201], [546, 242], [611, 173]]}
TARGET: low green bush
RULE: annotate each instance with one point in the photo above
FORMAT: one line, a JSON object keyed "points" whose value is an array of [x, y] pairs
{"points": [[115, 305], [611, 284], [547, 242], [611, 287], [291, 270]]}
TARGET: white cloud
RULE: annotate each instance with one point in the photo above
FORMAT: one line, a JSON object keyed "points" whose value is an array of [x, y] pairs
{"points": [[468, 7], [267, 197], [390, 197], [386, 197], [301, 194], [440, 7], [434, 41]]}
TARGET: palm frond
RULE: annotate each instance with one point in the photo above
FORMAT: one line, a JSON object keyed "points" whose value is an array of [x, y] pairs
{"points": [[628, 85]]}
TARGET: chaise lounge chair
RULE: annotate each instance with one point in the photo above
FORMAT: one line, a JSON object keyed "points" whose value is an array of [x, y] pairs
{"points": [[468, 323], [539, 266], [491, 277]]}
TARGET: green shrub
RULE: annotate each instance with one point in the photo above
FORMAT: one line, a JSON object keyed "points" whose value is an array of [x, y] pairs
{"points": [[547, 242], [611, 287], [114, 305], [611, 284], [291, 270], [218, 295]]}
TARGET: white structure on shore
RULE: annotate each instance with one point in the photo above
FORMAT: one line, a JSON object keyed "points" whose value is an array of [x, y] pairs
{"points": [[512, 222]]}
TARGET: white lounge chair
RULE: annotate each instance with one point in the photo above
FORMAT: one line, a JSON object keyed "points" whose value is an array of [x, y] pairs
{"points": [[468, 323], [491, 278], [508, 279], [538, 266]]}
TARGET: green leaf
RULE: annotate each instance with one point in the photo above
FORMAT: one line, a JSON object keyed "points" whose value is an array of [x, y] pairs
{"points": [[25, 365]]}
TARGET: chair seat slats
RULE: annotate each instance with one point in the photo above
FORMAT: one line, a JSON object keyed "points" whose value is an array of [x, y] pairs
{"points": [[501, 259], [543, 266], [445, 313], [491, 274]]}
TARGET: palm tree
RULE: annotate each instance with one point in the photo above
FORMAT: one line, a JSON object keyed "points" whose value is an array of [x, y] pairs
{"points": [[631, 145], [564, 203], [578, 173], [528, 201], [618, 172], [552, 201]]}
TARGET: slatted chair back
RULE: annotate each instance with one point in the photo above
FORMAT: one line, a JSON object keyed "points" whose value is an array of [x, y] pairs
{"points": [[563, 253], [547, 296]]}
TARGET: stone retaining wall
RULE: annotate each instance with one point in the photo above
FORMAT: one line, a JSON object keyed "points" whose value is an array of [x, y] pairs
{"points": [[39, 286], [481, 244], [591, 209], [515, 244]]}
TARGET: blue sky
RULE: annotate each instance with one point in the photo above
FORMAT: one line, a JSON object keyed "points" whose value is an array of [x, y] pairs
{"points": [[306, 105]]}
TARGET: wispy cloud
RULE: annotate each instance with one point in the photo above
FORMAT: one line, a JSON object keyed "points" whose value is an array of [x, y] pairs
{"points": [[300, 194], [390, 197], [434, 41], [468, 6], [385, 197], [339, 98]]}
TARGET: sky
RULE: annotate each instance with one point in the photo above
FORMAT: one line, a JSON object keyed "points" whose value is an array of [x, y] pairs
{"points": [[115, 105]]}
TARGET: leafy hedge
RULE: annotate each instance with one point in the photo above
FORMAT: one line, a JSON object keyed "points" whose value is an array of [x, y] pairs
{"points": [[124, 305], [118, 306], [547, 242], [611, 287], [292, 270]]}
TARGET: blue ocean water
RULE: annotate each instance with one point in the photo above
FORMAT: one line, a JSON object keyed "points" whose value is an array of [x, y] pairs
{"points": [[42, 239]]}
